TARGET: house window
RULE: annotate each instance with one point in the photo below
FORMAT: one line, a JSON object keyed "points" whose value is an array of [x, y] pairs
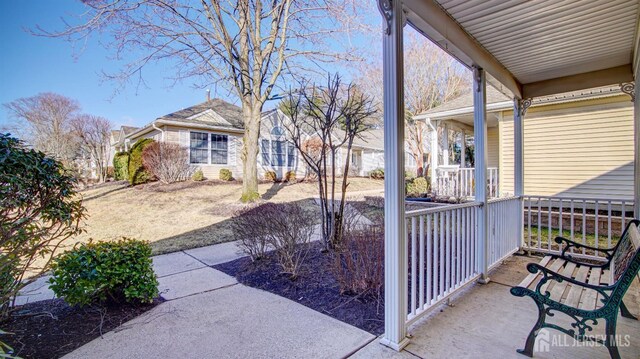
{"points": [[199, 147], [291, 154], [276, 151], [265, 152], [219, 149], [208, 148]]}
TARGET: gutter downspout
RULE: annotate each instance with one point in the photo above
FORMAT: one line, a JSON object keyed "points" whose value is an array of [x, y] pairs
{"points": [[153, 124]]}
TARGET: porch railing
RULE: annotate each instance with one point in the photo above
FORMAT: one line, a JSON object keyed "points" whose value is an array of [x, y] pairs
{"points": [[504, 220], [441, 250], [460, 182], [596, 222]]}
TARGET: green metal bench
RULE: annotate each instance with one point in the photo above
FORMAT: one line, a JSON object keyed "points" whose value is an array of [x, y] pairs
{"points": [[585, 292]]}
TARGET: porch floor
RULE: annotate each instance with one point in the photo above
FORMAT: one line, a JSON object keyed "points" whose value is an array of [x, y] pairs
{"points": [[486, 321]]}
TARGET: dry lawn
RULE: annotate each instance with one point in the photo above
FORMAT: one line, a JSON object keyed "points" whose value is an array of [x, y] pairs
{"points": [[184, 215]]}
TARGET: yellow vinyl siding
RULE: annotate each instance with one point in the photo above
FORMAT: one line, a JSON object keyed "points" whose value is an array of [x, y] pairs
{"points": [[581, 149], [493, 150]]}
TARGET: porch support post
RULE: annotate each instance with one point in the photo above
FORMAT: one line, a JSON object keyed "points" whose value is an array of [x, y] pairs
{"points": [[480, 136], [463, 149], [395, 268], [434, 152], [519, 109], [445, 144], [636, 154]]}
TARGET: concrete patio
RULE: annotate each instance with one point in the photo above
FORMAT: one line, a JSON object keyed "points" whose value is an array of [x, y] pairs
{"points": [[486, 321]]}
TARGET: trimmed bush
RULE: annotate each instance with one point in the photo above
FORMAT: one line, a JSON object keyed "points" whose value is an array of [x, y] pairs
{"points": [[197, 176], [409, 175], [271, 176], [226, 175], [418, 186], [290, 176], [105, 272], [378, 173], [138, 174], [121, 166]]}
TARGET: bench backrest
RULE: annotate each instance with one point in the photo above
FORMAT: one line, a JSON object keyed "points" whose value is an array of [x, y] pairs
{"points": [[626, 251]]}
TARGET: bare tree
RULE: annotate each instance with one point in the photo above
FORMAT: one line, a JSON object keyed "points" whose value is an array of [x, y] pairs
{"points": [[246, 46], [93, 134], [169, 162], [325, 121], [431, 78], [44, 122]]}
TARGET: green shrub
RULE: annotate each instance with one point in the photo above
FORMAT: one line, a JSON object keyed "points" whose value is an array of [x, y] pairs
{"points": [[418, 186], [137, 173], [290, 176], [197, 176], [226, 175], [271, 176], [409, 175], [378, 173], [105, 272], [40, 210], [121, 166]]}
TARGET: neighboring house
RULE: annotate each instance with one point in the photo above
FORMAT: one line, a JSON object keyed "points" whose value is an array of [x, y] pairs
{"points": [[577, 144], [212, 131]]}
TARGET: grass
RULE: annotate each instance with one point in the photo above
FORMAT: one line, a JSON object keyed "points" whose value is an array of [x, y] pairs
{"points": [[183, 215], [590, 239]]}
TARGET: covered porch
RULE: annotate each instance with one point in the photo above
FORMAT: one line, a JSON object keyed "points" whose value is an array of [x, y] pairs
{"points": [[526, 50]]}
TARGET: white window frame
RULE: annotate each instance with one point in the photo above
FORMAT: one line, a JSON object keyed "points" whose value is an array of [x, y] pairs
{"points": [[209, 148], [269, 155]]}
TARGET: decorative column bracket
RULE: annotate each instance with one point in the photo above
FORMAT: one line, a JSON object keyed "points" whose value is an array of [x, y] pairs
{"points": [[385, 8], [630, 89], [524, 105]]}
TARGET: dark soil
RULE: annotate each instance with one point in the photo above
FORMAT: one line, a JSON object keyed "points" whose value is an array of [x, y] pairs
{"points": [[315, 288], [52, 328]]}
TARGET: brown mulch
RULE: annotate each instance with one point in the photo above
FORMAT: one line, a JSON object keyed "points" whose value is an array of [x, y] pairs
{"points": [[52, 328], [315, 287]]}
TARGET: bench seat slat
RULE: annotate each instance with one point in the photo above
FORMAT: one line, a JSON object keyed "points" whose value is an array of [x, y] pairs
{"points": [[589, 298], [573, 298], [528, 280], [554, 267], [560, 287]]}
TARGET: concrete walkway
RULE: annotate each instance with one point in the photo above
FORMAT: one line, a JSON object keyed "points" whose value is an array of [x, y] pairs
{"points": [[209, 315]]}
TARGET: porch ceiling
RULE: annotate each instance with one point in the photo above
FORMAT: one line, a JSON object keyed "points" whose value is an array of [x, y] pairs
{"points": [[535, 48]]}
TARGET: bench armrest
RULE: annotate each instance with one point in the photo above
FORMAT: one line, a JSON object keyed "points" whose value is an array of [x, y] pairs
{"points": [[551, 275], [608, 252]]}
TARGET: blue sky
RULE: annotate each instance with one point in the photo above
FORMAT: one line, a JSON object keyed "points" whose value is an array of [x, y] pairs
{"points": [[30, 65]]}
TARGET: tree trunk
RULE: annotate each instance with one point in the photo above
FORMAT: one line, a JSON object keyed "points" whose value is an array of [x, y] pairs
{"points": [[250, 153]]}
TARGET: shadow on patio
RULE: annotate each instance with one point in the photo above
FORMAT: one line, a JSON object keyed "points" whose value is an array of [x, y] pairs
{"points": [[486, 321]]}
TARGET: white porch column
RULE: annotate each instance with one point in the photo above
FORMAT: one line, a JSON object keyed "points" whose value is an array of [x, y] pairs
{"points": [[395, 261], [463, 149], [480, 137], [434, 152], [445, 145], [636, 154], [519, 109]]}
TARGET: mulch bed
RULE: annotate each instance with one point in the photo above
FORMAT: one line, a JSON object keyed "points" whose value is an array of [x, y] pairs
{"points": [[52, 328], [315, 288]]}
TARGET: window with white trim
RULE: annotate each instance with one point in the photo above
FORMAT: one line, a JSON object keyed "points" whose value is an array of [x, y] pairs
{"points": [[219, 149], [199, 148], [208, 148], [276, 151]]}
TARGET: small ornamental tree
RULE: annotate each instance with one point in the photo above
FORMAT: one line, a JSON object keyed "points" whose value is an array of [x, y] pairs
{"points": [[325, 121], [169, 162], [39, 210]]}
